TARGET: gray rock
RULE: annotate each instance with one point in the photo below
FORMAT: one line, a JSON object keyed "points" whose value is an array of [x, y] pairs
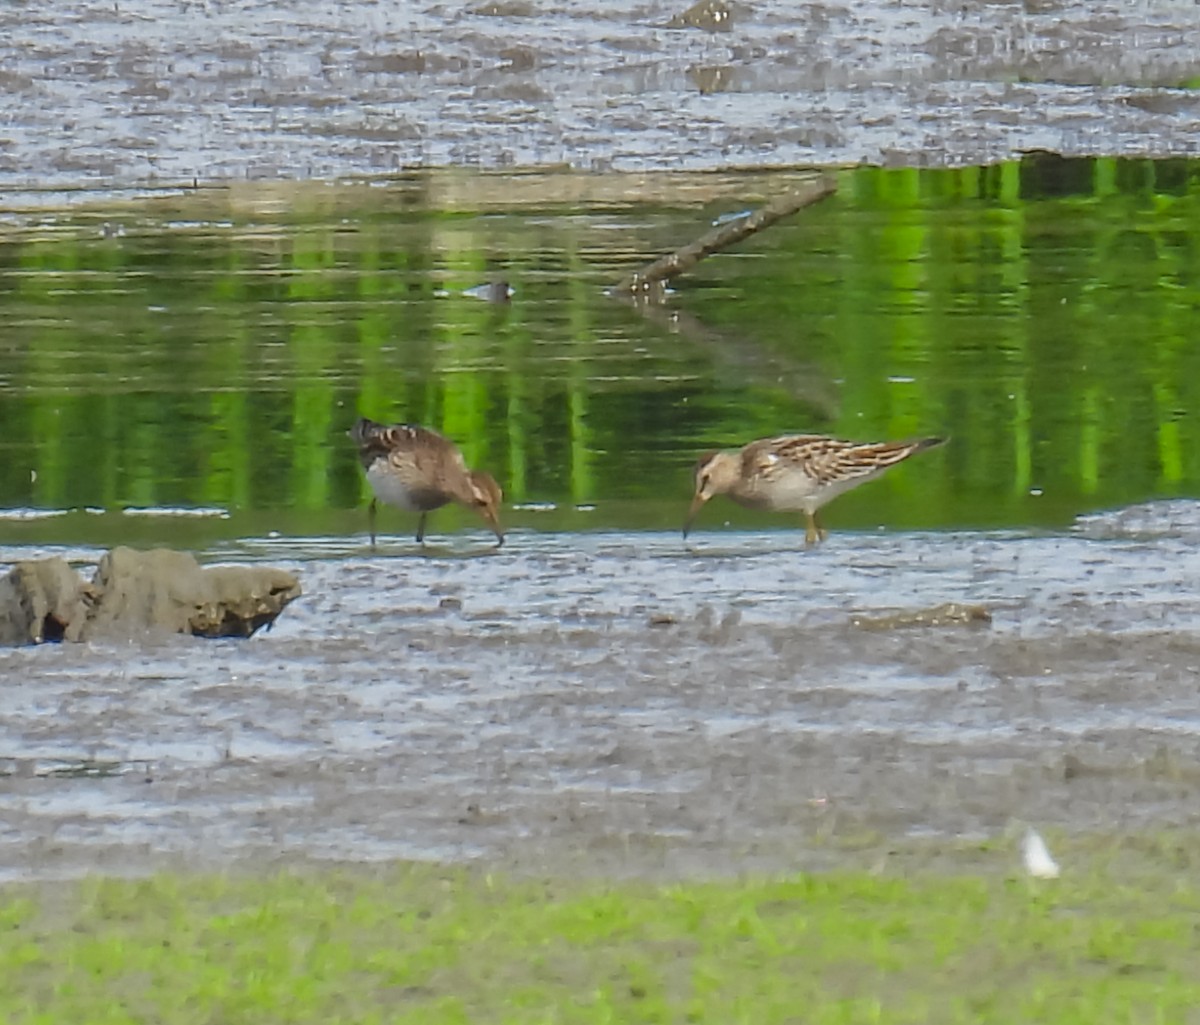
{"points": [[43, 600], [135, 592]]}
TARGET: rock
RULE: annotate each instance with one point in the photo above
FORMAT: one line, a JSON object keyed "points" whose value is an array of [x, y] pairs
{"points": [[710, 15], [135, 592], [168, 590], [43, 600], [247, 598], [949, 614]]}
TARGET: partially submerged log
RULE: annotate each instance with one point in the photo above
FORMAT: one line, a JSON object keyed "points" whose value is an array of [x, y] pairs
{"points": [[135, 592], [645, 291], [650, 279]]}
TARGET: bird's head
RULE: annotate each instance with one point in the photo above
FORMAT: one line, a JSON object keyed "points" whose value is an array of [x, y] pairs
{"points": [[715, 474], [485, 498]]}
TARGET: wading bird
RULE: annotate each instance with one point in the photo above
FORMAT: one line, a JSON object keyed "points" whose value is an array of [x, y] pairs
{"points": [[800, 472], [417, 469]]}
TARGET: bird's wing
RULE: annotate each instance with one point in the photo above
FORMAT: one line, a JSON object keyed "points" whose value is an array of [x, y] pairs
{"points": [[828, 460], [407, 444]]}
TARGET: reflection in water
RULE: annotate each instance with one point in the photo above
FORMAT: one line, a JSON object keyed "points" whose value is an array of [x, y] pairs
{"points": [[740, 363], [212, 349], [711, 79]]}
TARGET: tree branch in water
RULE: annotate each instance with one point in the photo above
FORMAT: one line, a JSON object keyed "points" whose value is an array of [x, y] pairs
{"points": [[650, 278]]}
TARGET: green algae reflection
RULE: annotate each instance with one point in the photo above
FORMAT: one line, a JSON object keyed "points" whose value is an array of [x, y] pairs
{"points": [[210, 348]]}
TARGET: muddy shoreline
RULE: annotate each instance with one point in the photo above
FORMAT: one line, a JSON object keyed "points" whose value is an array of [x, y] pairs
{"points": [[106, 96], [607, 701], [620, 702]]}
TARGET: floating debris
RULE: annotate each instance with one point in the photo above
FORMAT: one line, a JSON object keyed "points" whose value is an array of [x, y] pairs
{"points": [[950, 613], [731, 217], [491, 292], [26, 513], [1038, 862], [710, 15], [183, 511], [713, 79], [511, 9]]}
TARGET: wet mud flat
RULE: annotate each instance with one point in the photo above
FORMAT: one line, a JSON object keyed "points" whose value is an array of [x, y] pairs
{"points": [[621, 703], [107, 95]]}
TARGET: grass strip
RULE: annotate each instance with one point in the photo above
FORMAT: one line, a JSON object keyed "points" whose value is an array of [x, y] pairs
{"points": [[430, 944]]}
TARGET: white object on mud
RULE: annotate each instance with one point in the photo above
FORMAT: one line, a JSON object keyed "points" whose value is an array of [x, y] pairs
{"points": [[1038, 862]]}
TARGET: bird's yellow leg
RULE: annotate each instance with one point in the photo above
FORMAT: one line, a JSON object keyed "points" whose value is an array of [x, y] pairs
{"points": [[371, 522], [813, 531], [421, 529]]}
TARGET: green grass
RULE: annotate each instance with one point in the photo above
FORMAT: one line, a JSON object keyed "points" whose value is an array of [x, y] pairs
{"points": [[435, 945]]}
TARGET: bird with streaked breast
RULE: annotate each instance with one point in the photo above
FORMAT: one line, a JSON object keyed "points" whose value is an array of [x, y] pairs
{"points": [[417, 469], [800, 472]]}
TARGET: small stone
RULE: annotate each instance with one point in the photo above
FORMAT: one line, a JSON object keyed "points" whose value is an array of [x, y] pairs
{"points": [[948, 614], [710, 15]]}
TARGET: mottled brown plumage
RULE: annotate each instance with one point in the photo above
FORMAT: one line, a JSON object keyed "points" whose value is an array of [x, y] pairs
{"points": [[417, 469], [795, 471]]}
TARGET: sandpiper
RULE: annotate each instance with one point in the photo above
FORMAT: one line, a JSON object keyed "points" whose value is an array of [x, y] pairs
{"points": [[417, 469], [796, 472]]}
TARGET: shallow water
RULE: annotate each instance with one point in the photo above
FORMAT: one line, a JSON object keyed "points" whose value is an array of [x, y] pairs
{"points": [[183, 370]]}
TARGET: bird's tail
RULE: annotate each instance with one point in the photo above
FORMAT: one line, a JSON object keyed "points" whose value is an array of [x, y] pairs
{"points": [[365, 432], [880, 455]]}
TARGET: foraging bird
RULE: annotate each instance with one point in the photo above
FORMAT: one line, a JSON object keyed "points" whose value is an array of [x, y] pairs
{"points": [[417, 469], [796, 471]]}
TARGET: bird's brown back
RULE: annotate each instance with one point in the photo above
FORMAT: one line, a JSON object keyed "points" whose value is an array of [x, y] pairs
{"points": [[428, 464]]}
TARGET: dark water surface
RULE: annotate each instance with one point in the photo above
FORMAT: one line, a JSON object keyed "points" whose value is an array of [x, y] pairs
{"points": [[180, 368]]}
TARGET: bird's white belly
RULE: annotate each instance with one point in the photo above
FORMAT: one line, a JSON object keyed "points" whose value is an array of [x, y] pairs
{"points": [[389, 488], [795, 490]]}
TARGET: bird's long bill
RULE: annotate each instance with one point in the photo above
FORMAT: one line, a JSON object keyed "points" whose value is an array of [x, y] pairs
{"points": [[697, 502], [493, 521]]}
